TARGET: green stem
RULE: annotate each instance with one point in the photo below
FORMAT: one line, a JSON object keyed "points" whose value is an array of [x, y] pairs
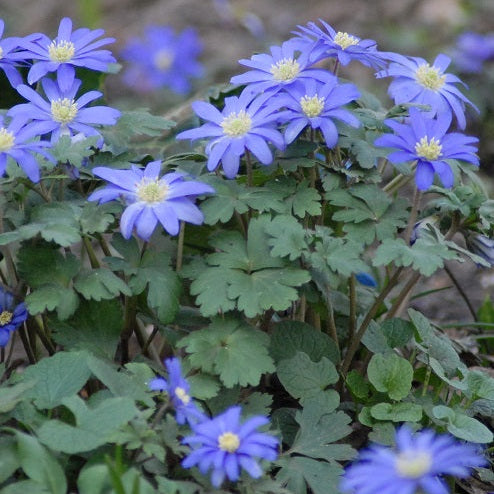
{"points": [[461, 292], [413, 215], [90, 252], [352, 323], [331, 321], [25, 343], [248, 161], [355, 342]]}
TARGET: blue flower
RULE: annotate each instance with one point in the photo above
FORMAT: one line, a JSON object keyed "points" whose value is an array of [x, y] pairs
{"points": [[472, 50], [417, 463], [11, 317], [226, 446], [244, 123], [418, 82], [151, 199], [10, 57], [163, 59], [315, 105], [16, 143], [178, 389], [366, 279], [62, 113], [344, 47], [70, 49], [286, 65], [425, 140]]}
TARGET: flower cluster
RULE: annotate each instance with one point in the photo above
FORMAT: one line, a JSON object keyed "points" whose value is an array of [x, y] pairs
{"points": [[222, 443], [38, 124], [286, 93], [418, 463], [152, 199], [11, 316], [162, 59]]}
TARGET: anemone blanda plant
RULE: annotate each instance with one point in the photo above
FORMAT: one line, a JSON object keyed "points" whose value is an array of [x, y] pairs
{"points": [[162, 58], [427, 141], [418, 462], [62, 113], [246, 123], [11, 315], [151, 198], [68, 50], [416, 81]]}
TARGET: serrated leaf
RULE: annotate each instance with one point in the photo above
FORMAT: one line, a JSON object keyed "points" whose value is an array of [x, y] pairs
{"points": [[57, 377], [93, 425], [52, 297], [398, 332], [298, 473], [289, 337], [94, 218], [95, 326], [100, 284], [391, 374], [66, 150], [423, 256], [303, 378], [288, 237], [236, 352], [397, 412]]}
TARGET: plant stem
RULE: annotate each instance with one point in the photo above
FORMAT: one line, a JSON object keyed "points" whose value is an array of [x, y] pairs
{"points": [[353, 307], [90, 252], [413, 215], [248, 161], [354, 343], [461, 292], [180, 247]]}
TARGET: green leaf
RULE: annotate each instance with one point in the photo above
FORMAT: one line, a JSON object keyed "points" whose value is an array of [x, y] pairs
{"points": [[57, 377], [288, 237], [93, 425], [203, 386], [423, 256], [94, 218], [303, 378], [397, 331], [9, 461], [390, 374], [39, 465], [397, 412], [163, 284], [95, 326], [51, 297], [357, 385], [289, 337], [100, 284], [234, 351], [463, 426], [298, 473], [66, 150], [369, 212], [11, 395]]}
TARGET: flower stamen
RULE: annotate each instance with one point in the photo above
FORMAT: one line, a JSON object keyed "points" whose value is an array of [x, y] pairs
{"points": [[412, 464], [5, 317], [61, 51], [182, 395], [312, 106], [345, 40], [6, 139], [163, 59], [152, 191], [285, 70], [228, 441], [236, 124], [63, 110], [428, 149], [429, 77]]}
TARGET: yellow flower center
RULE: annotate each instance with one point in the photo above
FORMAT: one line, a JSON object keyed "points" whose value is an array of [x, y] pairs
{"points": [[285, 69], [236, 124], [6, 140], [5, 317], [429, 77], [1, 53], [428, 149], [163, 59], [413, 465], [182, 395], [61, 51], [228, 441], [312, 106], [152, 191], [345, 40], [63, 110]]}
